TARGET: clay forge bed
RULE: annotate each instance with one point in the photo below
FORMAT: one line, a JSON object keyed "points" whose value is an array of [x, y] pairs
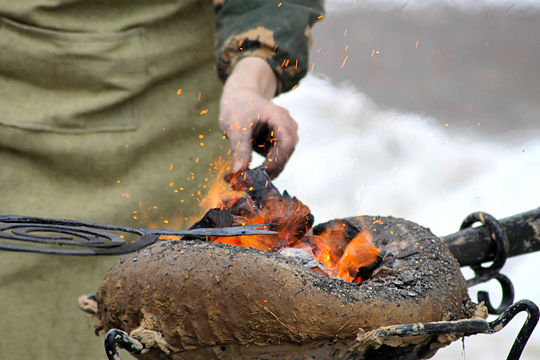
{"points": [[324, 292]]}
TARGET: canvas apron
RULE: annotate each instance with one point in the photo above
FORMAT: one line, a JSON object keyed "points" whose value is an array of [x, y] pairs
{"points": [[108, 113]]}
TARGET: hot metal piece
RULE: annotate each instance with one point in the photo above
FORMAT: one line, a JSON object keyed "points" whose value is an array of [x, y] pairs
{"points": [[32, 234]]}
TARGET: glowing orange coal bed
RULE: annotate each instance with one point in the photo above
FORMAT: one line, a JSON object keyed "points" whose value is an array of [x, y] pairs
{"points": [[340, 246]]}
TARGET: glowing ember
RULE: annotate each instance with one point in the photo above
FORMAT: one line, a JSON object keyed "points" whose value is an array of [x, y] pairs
{"points": [[219, 190], [359, 255], [263, 204], [339, 246]]}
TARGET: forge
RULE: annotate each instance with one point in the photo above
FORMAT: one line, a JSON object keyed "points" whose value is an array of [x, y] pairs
{"points": [[301, 293], [254, 279], [203, 300]]}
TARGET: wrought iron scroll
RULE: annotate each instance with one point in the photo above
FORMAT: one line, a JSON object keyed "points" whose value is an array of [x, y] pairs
{"points": [[484, 274], [116, 338], [81, 238], [533, 314], [473, 327]]}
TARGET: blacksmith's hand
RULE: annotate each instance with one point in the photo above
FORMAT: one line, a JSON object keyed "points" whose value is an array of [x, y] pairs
{"points": [[252, 122]]}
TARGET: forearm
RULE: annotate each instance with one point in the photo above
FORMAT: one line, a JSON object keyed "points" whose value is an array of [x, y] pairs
{"points": [[252, 73], [262, 49], [276, 31]]}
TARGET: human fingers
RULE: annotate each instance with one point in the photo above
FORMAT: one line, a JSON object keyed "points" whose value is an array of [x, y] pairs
{"points": [[281, 141], [241, 145]]}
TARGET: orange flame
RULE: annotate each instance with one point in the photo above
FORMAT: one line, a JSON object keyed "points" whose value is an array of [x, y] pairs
{"points": [[359, 253], [219, 190], [332, 248], [330, 245]]}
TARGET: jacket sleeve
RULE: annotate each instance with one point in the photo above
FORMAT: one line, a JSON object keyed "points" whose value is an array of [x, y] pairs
{"points": [[277, 31]]}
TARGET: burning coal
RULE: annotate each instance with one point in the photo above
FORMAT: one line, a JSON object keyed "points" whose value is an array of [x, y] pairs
{"points": [[339, 246]]}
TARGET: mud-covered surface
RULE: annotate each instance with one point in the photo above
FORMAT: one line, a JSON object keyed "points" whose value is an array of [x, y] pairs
{"points": [[416, 265], [202, 295]]}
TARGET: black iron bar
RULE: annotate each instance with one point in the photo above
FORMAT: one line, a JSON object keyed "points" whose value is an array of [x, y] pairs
{"points": [[475, 246]]}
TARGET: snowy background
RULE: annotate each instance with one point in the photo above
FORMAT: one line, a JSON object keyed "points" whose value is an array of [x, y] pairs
{"points": [[429, 130]]}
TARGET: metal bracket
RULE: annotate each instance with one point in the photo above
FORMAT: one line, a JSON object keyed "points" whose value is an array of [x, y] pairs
{"points": [[484, 274]]}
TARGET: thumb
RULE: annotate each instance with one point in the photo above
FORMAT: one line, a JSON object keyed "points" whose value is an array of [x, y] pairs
{"points": [[242, 149]]}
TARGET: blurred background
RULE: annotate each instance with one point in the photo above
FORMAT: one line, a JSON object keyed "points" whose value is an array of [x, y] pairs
{"points": [[427, 110]]}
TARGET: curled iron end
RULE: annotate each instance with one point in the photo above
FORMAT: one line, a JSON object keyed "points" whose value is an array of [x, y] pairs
{"points": [[115, 338]]}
